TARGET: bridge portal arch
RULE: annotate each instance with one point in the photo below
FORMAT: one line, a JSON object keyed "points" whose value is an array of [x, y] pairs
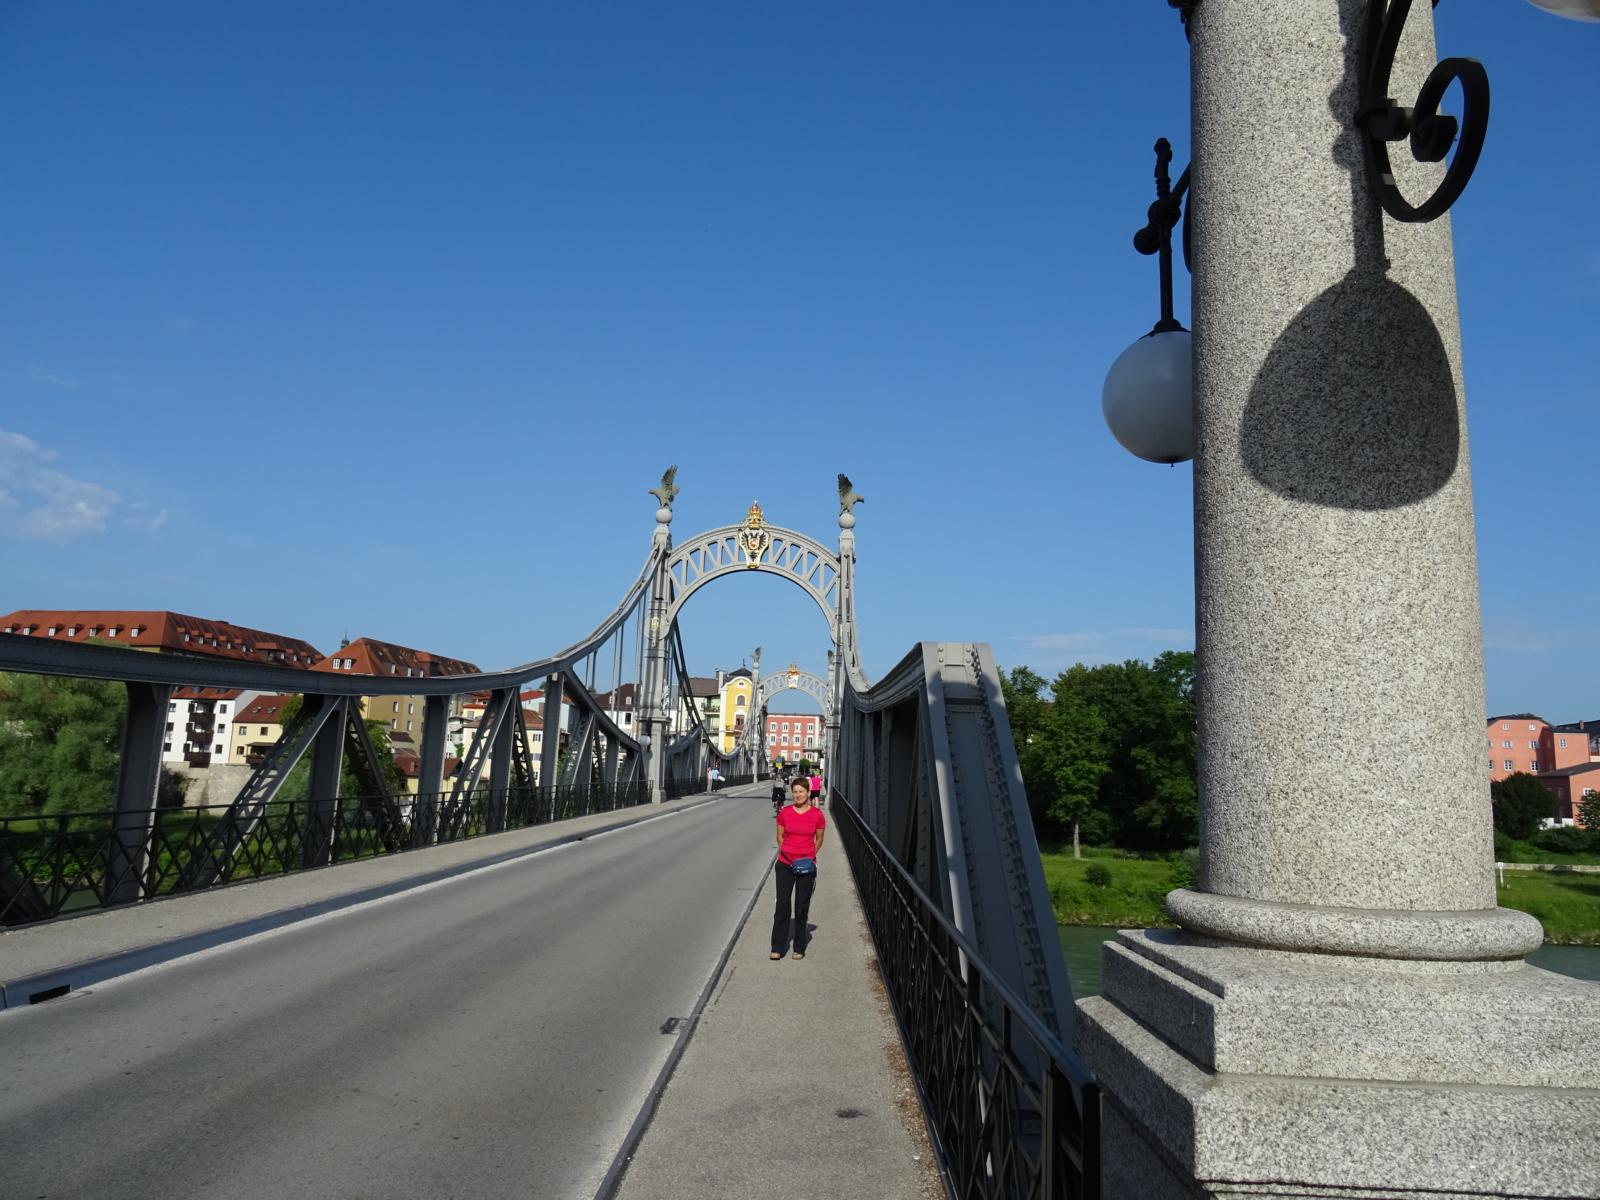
{"points": [[754, 546], [795, 679]]}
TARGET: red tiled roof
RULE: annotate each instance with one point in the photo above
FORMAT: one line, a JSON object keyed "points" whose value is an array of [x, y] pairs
{"points": [[263, 711], [207, 693], [173, 632], [369, 656]]}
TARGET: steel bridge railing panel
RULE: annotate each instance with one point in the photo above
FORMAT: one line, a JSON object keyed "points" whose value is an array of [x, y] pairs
{"points": [[59, 865], [1013, 1113]]}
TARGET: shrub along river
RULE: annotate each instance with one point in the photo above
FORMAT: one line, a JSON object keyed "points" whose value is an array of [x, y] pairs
{"points": [[1081, 946]]}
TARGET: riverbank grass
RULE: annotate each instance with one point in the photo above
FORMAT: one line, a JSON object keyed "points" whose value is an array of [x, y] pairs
{"points": [[1133, 897], [1567, 904]]}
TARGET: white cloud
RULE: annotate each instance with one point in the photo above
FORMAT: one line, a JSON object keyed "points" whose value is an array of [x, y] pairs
{"points": [[1093, 647], [40, 503]]}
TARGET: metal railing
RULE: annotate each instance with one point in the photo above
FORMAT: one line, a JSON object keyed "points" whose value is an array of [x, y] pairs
{"points": [[56, 865], [689, 785], [1013, 1114]]}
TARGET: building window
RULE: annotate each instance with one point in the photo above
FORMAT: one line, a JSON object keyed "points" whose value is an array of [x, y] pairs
{"points": [[217, 749], [169, 726], [135, 632], [51, 632], [112, 632], [397, 706], [166, 747], [1534, 766], [1506, 745], [223, 707], [1533, 745], [1532, 726], [1562, 742], [1508, 765], [72, 631], [1505, 725], [239, 750]]}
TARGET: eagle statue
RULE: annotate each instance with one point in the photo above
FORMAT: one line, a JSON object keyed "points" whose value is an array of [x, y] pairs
{"points": [[848, 496], [668, 488]]}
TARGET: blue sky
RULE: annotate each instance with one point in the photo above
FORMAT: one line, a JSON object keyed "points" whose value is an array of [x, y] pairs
{"points": [[319, 321]]}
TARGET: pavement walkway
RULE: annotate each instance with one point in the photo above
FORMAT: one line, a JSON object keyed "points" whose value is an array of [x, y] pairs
{"points": [[793, 1084]]}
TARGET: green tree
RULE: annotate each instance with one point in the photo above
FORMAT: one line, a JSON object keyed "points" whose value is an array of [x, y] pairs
{"points": [[1520, 803], [60, 746], [59, 742], [1073, 755], [1148, 792], [1589, 813], [1022, 689]]}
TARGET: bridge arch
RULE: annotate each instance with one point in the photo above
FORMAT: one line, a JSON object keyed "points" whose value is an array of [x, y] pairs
{"points": [[754, 546], [813, 685]]}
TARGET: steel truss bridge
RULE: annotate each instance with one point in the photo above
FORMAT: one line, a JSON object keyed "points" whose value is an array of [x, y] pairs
{"points": [[921, 772]]}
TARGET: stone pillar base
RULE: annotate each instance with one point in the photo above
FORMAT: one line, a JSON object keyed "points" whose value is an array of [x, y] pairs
{"points": [[1233, 1071]]}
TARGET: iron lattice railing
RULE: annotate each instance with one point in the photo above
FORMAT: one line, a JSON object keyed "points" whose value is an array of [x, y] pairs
{"points": [[1013, 1114], [689, 785], [50, 866]]}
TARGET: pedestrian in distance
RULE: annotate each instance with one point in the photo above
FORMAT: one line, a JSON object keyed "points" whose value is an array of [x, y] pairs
{"points": [[816, 786], [800, 830]]}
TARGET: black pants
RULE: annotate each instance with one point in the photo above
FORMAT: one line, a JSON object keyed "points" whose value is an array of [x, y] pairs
{"points": [[799, 889]]}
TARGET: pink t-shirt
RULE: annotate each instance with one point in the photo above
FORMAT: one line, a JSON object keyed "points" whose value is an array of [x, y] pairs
{"points": [[799, 832]]}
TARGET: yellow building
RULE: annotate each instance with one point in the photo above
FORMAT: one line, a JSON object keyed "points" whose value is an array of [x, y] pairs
{"points": [[736, 694]]}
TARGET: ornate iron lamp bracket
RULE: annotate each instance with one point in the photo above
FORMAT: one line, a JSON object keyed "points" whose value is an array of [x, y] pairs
{"points": [[1430, 132], [1156, 237]]}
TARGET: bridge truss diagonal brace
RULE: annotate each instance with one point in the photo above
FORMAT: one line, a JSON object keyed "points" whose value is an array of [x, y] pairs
{"points": [[214, 860]]}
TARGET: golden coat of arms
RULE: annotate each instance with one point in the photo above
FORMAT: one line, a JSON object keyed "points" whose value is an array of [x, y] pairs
{"points": [[754, 538]]}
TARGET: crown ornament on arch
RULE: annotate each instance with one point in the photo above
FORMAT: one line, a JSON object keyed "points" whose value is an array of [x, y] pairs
{"points": [[754, 538]]}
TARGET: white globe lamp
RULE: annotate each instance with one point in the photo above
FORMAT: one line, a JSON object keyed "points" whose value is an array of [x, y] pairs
{"points": [[1577, 10], [1148, 398]]}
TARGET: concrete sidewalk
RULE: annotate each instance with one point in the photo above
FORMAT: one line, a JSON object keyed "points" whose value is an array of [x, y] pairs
{"points": [[76, 951], [793, 1084]]}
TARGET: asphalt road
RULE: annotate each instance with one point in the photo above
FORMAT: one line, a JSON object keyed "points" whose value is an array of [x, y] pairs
{"points": [[490, 1036]]}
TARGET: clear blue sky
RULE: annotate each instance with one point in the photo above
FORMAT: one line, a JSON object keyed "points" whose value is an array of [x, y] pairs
{"points": [[318, 317]]}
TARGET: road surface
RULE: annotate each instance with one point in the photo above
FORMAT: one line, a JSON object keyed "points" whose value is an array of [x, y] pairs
{"points": [[492, 1035]]}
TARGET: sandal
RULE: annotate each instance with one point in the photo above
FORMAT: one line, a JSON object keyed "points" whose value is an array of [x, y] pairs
{"points": [[775, 956], [797, 957]]}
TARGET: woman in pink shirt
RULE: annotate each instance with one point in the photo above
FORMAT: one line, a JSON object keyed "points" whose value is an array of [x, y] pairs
{"points": [[800, 831]]}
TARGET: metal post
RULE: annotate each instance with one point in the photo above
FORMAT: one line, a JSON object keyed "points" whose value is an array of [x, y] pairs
{"points": [[322, 799], [430, 783], [500, 765], [550, 740], [138, 780], [656, 632]]}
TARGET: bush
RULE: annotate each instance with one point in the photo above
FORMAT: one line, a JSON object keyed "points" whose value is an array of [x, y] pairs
{"points": [[1186, 868], [1098, 875], [1520, 803], [1565, 839]]}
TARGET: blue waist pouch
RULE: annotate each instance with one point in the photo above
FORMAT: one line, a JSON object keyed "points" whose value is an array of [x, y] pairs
{"points": [[804, 866]]}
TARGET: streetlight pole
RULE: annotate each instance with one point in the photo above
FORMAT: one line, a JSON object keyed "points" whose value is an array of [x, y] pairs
{"points": [[1345, 1009]]}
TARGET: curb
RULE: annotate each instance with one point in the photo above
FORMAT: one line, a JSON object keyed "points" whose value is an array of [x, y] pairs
{"points": [[612, 1180]]}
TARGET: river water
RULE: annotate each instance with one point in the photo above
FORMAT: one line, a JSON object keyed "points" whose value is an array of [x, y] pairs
{"points": [[1080, 944]]}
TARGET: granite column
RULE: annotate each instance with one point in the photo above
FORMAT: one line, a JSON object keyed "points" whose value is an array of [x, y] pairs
{"points": [[1345, 1010]]}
